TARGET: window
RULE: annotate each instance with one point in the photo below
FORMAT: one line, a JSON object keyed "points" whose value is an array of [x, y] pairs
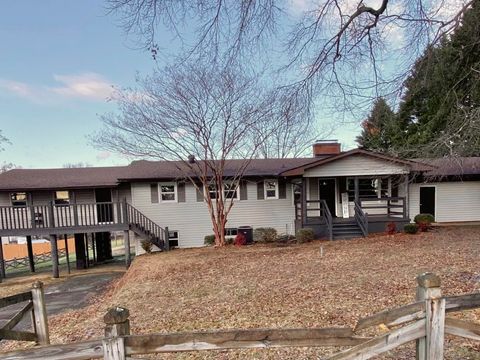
{"points": [[231, 231], [168, 192], [19, 199], [230, 190], [173, 238], [62, 198], [369, 188], [271, 189]]}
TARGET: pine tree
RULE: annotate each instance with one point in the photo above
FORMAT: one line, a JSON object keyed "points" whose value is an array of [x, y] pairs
{"points": [[379, 130]]}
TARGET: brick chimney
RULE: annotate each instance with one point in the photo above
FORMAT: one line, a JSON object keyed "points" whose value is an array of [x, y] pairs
{"points": [[326, 147]]}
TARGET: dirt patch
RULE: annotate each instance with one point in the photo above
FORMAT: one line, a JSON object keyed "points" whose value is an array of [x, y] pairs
{"points": [[268, 286]]}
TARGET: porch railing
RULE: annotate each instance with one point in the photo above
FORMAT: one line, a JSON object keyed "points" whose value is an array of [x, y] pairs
{"points": [[328, 218], [41, 217], [361, 218], [384, 207]]}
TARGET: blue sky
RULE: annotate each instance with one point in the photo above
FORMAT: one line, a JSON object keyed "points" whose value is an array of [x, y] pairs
{"points": [[58, 62]]}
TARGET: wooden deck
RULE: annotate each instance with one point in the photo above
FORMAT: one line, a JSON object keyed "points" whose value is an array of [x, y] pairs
{"points": [[38, 220]]}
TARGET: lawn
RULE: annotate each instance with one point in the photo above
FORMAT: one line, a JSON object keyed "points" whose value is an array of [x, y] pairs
{"points": [[294, 286]]}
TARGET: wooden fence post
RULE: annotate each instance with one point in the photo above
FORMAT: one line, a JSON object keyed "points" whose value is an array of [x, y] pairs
{"points": [[117, 325], [166, 244], [428, 290], [40, 313]]}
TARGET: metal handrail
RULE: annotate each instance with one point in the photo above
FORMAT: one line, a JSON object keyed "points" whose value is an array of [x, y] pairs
{"points": [[361, 217], [328, 218]]}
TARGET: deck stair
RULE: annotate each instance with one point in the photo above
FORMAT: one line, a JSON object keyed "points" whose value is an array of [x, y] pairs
{"points": [[146, 228], [346, 230]]}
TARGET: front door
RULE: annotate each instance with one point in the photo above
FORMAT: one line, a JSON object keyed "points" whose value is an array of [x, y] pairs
{"points": [[327, 188], [427, 200]]}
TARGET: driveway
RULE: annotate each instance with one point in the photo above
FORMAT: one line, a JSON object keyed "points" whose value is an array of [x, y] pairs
{"points": [[73, 293]]}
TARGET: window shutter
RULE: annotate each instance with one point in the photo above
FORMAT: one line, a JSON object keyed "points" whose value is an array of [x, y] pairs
{"points": [[260, 191], [181, 191], [282, 189], [199, 192], [154, 193], [243, 190]]}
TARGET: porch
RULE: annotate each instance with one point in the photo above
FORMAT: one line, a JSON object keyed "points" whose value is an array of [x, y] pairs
{"points": [[344, 207]]}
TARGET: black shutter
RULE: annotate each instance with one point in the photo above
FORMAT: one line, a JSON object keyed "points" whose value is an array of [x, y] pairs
{"points": [[243, 190], [154, 193], [199, 192], [181, 191], [282, 189], [260, 191]]}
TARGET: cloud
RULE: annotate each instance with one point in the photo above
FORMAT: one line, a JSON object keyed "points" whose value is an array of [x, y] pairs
{"points": [[103, 155], [88, 86]]}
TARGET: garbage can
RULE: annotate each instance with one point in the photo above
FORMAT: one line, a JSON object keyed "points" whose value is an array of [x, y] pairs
{"points": [[246, 231]]}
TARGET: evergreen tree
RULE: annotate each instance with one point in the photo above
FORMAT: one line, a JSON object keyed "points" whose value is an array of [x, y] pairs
{"points": [[379, 130], [440, 107]]}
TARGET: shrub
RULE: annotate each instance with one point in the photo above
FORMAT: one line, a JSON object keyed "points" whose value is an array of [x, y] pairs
{"points": [[410, 228], [146, 246], [229, 240], [305, 235], [266, 235], [283, 238], [209, 240], [240, 239], [424, 221], [391, 228]]}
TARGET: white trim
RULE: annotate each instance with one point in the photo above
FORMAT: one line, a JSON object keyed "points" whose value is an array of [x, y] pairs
{"points": [[175, 192], [419, 198], [265, 189], [237, 190]]}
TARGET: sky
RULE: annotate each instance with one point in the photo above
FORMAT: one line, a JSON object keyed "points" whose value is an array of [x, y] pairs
{"points": [[59, 61]]}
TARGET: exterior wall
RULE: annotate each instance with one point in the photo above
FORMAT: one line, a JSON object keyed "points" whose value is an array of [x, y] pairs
{"points": [[192, 221], [455, 200], [357, 165]]}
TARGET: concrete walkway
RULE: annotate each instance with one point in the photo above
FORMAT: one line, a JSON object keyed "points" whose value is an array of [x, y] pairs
{"points": [[73, 293]]}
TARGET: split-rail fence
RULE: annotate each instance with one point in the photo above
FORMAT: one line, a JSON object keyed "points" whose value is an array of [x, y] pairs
{"points": [[424, 321]]}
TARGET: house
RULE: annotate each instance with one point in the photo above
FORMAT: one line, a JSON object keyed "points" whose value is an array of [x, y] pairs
{"points": [[338, 194]]}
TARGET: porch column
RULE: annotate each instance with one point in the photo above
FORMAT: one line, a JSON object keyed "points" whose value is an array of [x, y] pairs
{"points": [[54, 250], [304, 201], [66, 253], [2, 262], [31, 261], [357, 188], [407, 196], [126, 242]]}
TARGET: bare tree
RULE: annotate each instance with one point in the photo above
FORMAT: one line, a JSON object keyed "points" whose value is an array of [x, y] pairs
{"points": [[204, 118], [336, 48]]}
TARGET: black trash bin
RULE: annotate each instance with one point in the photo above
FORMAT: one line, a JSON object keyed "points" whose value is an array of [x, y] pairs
{"points": [[247, 231]]}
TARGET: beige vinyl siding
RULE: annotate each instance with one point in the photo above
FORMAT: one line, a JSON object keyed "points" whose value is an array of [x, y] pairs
{"points": [[5, 199], [357, 165], [41, 197], [455, 201], [84, 196], [193, 222]]}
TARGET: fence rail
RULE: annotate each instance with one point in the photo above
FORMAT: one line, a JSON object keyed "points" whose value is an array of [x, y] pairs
{"points": [[423, 321], [35, 304], [37, 259]]}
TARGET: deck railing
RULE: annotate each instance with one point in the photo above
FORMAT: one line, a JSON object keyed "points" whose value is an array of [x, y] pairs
{"points": [[362, 218], [384, 207], [50, 216]]}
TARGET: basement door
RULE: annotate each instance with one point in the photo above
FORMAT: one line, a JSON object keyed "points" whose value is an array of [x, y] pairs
{"points": [[427, 200]]}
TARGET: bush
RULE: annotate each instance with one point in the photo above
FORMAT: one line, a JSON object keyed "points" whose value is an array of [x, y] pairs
{"points": [[391, 228], [146, 246], [410, 228], [229, 240], [284, 238], [266, 235], [209, 240], [240, 239], [424, 221], [305, 235]]}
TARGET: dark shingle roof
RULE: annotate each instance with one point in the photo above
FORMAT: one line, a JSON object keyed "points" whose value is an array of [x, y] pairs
{"points": [[29, 179], [457, 166]]}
